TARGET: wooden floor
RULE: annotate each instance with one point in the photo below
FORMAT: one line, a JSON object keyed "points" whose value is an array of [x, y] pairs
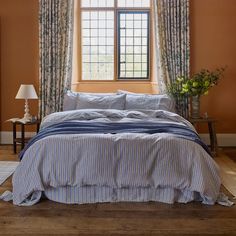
{"points": [[47, 217]]}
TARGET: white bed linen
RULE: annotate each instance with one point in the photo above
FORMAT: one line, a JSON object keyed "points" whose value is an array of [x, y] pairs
{"points": [[88, 168]]}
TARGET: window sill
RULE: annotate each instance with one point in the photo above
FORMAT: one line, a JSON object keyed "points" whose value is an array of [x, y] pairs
{"points": [[113, 81], [113, 86]]}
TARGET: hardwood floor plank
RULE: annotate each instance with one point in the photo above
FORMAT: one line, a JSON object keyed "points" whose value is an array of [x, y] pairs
{"points": [[228, 173], [152, 218], [102, 225]]}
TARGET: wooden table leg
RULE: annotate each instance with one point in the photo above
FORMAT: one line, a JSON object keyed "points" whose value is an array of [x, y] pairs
{"points": [[213, 138], [14, 137], [38, 126]]}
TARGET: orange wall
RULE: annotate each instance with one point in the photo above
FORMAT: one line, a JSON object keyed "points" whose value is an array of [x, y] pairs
{"points": [[213, 44], [19, 55]]}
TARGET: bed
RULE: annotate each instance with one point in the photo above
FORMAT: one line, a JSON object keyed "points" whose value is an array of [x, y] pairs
{"points": [[143, 152]]}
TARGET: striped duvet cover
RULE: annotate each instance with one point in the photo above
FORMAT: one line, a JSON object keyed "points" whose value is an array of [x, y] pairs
{"points": [[97, 167]]}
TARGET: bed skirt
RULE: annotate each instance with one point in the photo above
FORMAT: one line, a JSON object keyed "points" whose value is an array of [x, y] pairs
{"points": [[96, 194]]}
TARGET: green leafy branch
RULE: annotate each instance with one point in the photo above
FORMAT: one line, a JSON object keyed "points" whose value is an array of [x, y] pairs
{"points": [[198, 84]]}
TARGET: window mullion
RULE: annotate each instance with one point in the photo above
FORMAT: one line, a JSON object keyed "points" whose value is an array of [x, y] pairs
{"points": [[115, 42]]}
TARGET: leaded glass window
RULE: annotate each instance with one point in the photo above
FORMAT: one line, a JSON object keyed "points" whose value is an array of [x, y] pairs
{"points": [[115, 41]]}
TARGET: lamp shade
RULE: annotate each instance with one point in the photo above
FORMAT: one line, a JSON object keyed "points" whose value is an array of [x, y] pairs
{"points": [[26, 91]]}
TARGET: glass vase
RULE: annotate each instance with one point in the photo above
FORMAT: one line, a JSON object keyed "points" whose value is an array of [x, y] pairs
{"points": [[195, 107]]}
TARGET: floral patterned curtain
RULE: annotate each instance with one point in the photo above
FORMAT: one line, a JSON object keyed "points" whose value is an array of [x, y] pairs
{"points": [[55, 46], [172, 44]]}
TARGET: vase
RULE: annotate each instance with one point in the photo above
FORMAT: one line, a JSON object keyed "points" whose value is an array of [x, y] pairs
{"points": [[195, 107]]}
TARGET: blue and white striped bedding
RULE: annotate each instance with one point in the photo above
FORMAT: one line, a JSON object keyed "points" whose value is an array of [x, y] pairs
{"points": [[96, 167]]}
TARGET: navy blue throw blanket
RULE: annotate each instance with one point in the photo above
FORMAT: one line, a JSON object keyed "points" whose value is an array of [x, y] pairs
{"points": [[88, 127]]}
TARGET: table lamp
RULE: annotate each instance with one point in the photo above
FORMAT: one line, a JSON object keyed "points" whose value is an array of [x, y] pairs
{"points": [[26, 91]]}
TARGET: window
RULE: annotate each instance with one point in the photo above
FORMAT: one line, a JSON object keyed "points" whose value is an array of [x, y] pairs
{"points": [[115, 39]]}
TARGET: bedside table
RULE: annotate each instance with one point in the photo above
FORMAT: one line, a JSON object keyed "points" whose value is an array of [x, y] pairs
{"points": [[212, 133], [22, 139]]}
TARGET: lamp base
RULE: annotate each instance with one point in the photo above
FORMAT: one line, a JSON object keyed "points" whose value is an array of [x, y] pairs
{"points": [[27, 115]]}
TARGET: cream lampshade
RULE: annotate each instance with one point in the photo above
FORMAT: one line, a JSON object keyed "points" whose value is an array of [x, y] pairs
{"points": [[26, 91]]}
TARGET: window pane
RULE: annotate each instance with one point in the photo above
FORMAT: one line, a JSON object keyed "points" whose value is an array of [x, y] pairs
{"points": [[137, 41], [86, 49], [137, 58], [121, 3], [133, 45], [122, 58], [110, 15], [102, 15], [94, 3], [86, 58], [137, 49], [137, 24], [110, 24], [134, 3], [129, 58], [97, 45], [110, 41], [130, 24], [102, 32], [129, 41], [86, 15], [94, 49], [102, 3], [97, 3], [145, 3], [85, 3], [138, 67], [86, 41], [110, 3], [129, 74], [130, 50], [129, 66], [137, 32], [85, 24], [129, 33], [86, 33], [122, 74], [94, 32], [138, 74], [94, 16], [110, 33], [102, 24]]}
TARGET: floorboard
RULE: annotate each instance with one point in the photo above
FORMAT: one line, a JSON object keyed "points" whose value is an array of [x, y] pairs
{"points": [[228, 173], [47, 217]]}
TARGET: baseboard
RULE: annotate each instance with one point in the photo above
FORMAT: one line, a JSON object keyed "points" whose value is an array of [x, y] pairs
{"points": [[7, 137], [224, 140]]}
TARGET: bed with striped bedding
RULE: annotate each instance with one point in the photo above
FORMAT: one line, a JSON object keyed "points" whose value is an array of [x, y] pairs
{"points": [[89, 167]]}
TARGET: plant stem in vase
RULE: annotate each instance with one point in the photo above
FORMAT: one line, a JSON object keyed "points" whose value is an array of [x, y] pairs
{"points": [[195, 108]]}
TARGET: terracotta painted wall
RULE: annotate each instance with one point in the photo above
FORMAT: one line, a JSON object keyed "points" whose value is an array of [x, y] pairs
{"points": [[213, 43], [19, 55]]}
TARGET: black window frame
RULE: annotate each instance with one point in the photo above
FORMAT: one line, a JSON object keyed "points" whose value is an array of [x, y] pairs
{"points": [[117, 49], [119, 12]]}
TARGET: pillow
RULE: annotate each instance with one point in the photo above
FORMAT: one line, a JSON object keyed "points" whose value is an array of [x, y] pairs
{"points": [[148, 101], [70, 99], [86, 101], [97, 94], [119, 91]]}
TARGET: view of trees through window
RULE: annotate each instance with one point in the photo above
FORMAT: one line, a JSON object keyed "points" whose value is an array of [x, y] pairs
{"points": [[115, 39]]}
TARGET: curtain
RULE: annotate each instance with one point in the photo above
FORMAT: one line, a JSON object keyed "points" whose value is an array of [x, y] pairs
{"points": [[172, 45], [55, 50]]}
